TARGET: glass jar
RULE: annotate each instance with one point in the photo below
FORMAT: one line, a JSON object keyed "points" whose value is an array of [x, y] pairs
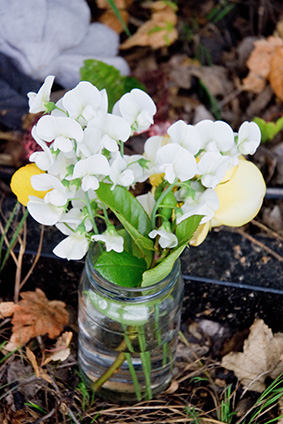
{"points": [[128, 336]]}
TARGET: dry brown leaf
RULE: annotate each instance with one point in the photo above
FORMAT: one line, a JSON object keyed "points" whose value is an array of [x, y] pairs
{"points": [[36, 316], [39, 372], [61, 350], [7, 309], [109, 17], [259, 63], [276, 72], [261, 357], [159, 31]]}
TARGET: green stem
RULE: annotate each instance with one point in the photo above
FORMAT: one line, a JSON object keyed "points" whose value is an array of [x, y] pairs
{"points": [[165, 350], [145, 357], [7, 226], [159, 201], [134, 376], [157, 327], [88, 205]]}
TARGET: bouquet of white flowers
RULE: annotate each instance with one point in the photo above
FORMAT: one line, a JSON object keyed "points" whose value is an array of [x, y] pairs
{"points": [[194, 178]]}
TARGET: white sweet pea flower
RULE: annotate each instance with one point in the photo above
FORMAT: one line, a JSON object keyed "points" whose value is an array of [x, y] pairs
{"points": [[139, 166], [211, 168], [60, 129], [85, 102], [249, 137], [73, 218], [90, 170], [42, 212], [176, 162], [37, 101], [112, 129], [215, 136], [204, 203], [57, 194], [167, 239], [138, 108], [74, 247], [185, 135], [147, 201], [119, 173], [43, 159], [111, 239]]}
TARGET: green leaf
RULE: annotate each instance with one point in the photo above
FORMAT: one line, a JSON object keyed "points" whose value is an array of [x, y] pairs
{"points": [[106, 76], [158, 273], [131, 215], [186, 229], [268, 129], [122, 268], [122, 201]]}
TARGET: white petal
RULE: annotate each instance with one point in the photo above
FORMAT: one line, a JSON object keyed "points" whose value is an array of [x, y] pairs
{"points": [[42, 212], [185, 135], [249, 137], [38, 100], [49, 127], [73, 247]]}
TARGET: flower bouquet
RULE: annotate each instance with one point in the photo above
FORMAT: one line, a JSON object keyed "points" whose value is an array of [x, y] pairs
{"points": [[82, 181]]}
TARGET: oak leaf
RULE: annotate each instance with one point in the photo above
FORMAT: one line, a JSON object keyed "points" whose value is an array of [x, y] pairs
{"points": [[261, 357], [159, 31], [7, 309], [36, 316], [276, 73]]}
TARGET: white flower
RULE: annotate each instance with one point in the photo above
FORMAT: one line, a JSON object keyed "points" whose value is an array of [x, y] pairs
{"points": [[166, 238], [112, 129], [212, 168], [185, 135], [50, 38], [90, 169], [138, 108], [111, 239], [74, 247], [215, 136], [175, 162], [57, 194], [85, 102], [204, 203], [248, 138], [119, 173], [42, 212], [140, 173], [147, 201], [60, 129], [37, 101], [43, 159], [73, 218]]}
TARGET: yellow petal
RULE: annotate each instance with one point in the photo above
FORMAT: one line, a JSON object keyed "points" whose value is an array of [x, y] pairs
{"points": [[156, 179], [241, 197], [21, 185], [200, 234]]}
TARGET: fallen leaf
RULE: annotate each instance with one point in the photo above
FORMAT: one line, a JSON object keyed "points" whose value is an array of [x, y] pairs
{"points": [[36, 316], [7, 309], [276, 72], [61, 350], [259, 63], [110, 18], [39, 372], [261, 357], [159, 31]]}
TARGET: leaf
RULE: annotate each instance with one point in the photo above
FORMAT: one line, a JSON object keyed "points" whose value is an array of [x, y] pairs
{"points": [[160, 271], [122, 268], [106, 76], [61, 351], [268, 129], [131, 214], [39, 372], [159, 31], [186, 229], [259, 63], [276, 72], [36, 316], [7, 309], [115, 16], [261, 357]]}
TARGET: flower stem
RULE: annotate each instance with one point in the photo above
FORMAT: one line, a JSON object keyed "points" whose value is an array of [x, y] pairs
{"points": [[134, 376], [88, 205], [158, 202], [145, 357]]}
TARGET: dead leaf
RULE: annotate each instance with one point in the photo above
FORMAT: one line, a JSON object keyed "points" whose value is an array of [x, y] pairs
{"points": [[276, 72], [39, 372], [261, 357], [159, 31], [109, 17], [36, 316], [259, 63], [7, 309], [61, 350]]}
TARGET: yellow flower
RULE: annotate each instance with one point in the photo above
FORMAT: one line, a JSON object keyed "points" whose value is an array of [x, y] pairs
{"points": [[21, 185], [240, 197], [200, 234], [156, 179]]}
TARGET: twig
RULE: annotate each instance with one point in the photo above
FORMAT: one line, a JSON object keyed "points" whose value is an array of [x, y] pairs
{"points": [[35, 259], [20, 262], [45, 417], [266, 229], [258, 243], [7, 244]]}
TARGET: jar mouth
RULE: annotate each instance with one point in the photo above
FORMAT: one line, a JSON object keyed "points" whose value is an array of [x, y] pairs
{"points": [[110, 289]]}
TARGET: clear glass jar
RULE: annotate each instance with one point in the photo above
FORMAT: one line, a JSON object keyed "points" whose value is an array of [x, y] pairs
{"points": [[128, 336]]}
